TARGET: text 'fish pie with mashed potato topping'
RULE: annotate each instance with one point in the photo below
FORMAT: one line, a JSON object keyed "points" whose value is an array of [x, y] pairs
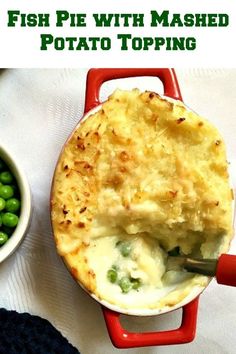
{"points": [[141, 176]]}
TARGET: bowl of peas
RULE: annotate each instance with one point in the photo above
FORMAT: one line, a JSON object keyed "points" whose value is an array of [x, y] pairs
{"points": [[15, 204]]}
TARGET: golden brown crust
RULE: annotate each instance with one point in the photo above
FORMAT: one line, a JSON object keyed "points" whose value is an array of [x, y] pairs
{"points": [[79, 269], [141, 164]]}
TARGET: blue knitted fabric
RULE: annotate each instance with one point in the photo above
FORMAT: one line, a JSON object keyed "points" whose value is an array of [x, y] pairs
{"points": [[22, 333]]}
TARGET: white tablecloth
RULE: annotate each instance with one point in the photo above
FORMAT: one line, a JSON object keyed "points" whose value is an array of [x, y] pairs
{"points": [[38, 109]]}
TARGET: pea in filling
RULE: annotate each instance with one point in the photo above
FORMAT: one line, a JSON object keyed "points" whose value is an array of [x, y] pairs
{"points": [[134, 264]]}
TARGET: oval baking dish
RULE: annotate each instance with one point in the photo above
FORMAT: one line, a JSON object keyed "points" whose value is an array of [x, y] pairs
{"points": [[74, 195]]}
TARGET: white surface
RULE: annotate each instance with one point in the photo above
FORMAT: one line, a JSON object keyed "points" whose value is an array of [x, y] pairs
{"points": [[20, 46], [38, 109]]}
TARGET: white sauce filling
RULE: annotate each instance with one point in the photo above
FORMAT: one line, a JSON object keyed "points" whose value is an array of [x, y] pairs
{"points": [[146, 262]]}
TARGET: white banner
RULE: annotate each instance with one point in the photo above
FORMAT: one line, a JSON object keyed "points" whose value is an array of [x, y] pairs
{"points": [[69, 33]]}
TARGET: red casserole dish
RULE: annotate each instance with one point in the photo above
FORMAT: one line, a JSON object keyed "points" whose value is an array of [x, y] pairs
{"points": [[120, 337]]}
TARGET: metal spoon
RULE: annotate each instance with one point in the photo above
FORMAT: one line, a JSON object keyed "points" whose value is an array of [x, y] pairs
{"points": [[224, 268]]}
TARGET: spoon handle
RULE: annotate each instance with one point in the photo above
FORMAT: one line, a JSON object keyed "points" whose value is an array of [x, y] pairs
{"points": [[226, 270], [200, 266]]}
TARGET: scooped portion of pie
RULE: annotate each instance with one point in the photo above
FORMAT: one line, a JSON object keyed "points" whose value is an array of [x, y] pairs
{"points": [[139, 177]]}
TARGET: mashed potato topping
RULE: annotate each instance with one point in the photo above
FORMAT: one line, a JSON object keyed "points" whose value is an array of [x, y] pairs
{"points": [[136, 179]]}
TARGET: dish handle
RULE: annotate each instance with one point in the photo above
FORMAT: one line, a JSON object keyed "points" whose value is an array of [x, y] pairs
{"points": [[122, 338], [96, 77]]}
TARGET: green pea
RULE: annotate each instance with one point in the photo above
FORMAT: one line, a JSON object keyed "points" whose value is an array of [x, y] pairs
{"points": [[3, 238], [174, 252], [2, 204], [10, 219], [12, 205], [112, 275], [125, 284], [6, 177], [6, 192], [136, 283], [124, 247]]}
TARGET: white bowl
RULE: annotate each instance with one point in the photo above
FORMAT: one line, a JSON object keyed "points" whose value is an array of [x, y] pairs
{"points": [[25, 215]]}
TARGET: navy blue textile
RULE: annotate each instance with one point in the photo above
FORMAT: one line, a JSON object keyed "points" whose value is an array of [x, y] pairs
{"points": [[22, 333]]}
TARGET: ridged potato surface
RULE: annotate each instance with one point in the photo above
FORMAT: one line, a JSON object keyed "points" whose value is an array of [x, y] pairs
{"points": [[146, 169]]}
